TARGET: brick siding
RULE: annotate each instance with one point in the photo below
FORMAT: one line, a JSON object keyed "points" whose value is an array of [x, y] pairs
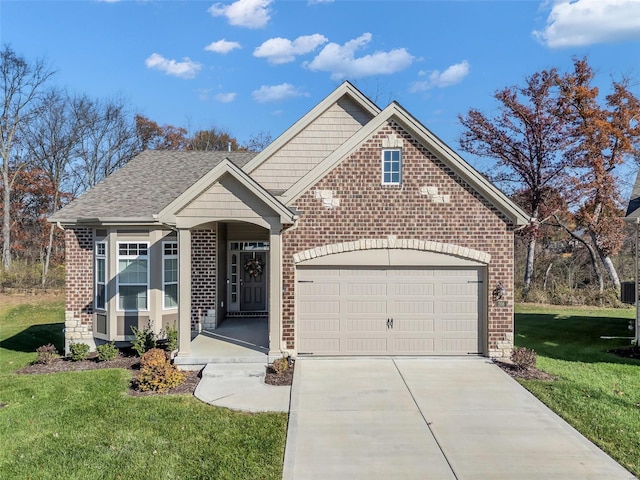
{"points": [[203, 274], [79, 284], [365, 209]]}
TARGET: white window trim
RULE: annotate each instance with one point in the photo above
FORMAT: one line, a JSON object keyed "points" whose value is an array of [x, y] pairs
{"points": [[164, 283], [132, 257], [95, 275], [399, 182]]}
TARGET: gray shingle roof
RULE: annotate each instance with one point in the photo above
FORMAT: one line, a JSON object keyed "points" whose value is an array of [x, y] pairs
{"points": [[146, 184], [633, 209]]}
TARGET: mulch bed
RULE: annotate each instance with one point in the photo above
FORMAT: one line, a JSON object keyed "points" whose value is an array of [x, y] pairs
{"points": [[280, 379], [531, 373], [129, 361], [125, 360]]}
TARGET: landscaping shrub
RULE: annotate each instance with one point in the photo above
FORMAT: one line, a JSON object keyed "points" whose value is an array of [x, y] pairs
{"points": [[157, 373], [78, 351], [524, 357], [46, 354], [172, 338], [280, 365], [107, 351], [145, 339]]}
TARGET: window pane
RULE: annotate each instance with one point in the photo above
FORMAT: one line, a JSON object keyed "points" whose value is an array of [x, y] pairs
{"points": [[100, 270], [170, 269], [101, 290], [133, 297], [133, 271], [170, 296]]}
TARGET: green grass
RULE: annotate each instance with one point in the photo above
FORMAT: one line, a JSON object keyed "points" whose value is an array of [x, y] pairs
{"points": [[83, 425], [596, 392]]}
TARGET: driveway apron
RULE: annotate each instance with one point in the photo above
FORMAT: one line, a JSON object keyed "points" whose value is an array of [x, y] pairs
{"points": [[428, 418]]}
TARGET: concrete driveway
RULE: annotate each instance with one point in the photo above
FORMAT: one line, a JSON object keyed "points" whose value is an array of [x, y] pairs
{"points": [[428, 418]]}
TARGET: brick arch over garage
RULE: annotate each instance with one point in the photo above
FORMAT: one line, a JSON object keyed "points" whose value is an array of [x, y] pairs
{"points": [[393, 244]]}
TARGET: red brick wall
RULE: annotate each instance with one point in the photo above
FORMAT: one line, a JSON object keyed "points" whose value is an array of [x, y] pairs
{"points": [[368, 209], [203, 273], [79, 274]]}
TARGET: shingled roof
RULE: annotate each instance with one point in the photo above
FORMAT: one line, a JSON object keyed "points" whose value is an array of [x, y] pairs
{"points": [[633, 209], [146, 185]]}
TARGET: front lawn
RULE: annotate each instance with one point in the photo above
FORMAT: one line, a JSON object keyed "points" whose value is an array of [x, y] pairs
{"points": [[83, 425], [596, 392]]}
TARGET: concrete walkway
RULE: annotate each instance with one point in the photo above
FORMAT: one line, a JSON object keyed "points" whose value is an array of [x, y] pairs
{"points": [[240, 386], [435, 418]]}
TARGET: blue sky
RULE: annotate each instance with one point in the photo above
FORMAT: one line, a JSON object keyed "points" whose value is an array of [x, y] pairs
{"points": [[259, 65]]}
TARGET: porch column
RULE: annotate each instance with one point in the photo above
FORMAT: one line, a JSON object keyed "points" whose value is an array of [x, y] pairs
{"points": [[275, 291], [184, 292]]}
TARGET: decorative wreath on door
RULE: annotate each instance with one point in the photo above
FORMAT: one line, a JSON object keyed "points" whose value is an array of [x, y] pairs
{"points": [[253, 267]]}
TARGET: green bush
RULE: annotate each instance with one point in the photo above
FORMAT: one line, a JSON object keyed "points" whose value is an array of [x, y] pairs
{"points": [[524, 358], [145, 339], [107, 351], [78, 351], [157, 373], [172, 337], [46, 354]]}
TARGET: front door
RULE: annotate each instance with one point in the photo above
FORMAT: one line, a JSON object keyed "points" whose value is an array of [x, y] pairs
{"points": [[253, 281]]}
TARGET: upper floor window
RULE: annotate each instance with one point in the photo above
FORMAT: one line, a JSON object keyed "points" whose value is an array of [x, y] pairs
{"points": [[100, 276], [133, 276], [170, 274], [392, 167]]}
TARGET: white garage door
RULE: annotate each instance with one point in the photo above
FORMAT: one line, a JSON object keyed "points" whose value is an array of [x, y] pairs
{"points": [[388, 311]]}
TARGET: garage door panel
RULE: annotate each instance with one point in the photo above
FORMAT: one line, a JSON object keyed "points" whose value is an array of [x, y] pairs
{"points": [[434, 311], [366, 345], [362, 325], [413, 325], [326, 346], [366, 307], [458, 346], [319, 289], [320, 324], [404, 289], [366, 289], [413, 307], [319, 308], [417, 346]]}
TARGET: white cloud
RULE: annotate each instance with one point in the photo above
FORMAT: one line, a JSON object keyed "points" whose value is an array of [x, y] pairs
{"points": [[340, 60], [244, 13], [185, 69], [282, 50], [222, 46], [437, 79], [276, 93], [226, 97], [586, 22]]}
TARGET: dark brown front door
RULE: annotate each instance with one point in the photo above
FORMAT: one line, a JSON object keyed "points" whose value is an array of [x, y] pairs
{"points": [[253, 291]]}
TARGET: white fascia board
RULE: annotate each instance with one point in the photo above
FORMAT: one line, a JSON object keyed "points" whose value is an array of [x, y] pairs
{"points": [[345, 88]]}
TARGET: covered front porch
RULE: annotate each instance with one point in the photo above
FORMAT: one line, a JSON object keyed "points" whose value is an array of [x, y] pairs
{"points": [[229, 233], [235, 340]]}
